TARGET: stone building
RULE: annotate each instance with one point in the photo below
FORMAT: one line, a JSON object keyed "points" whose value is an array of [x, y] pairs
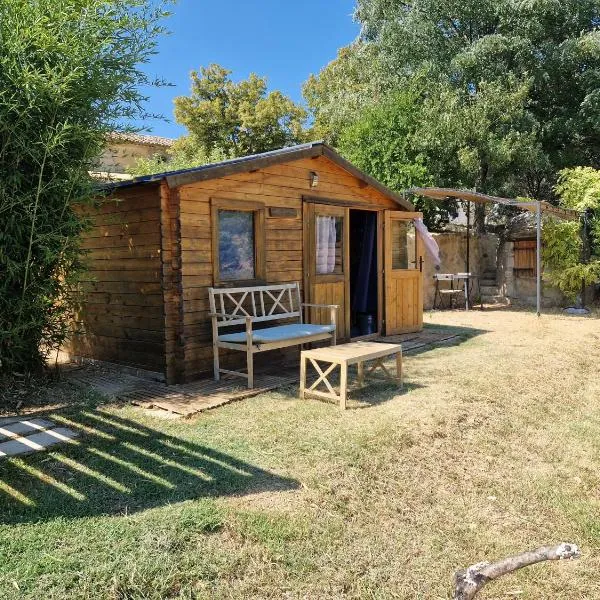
{"points": [[122, 151]]}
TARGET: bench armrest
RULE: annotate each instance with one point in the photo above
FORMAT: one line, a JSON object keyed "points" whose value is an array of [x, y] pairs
{"points": [[333, 311]]}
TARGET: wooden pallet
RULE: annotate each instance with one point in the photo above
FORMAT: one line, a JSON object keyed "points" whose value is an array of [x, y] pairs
{"points": [[189, 399]]}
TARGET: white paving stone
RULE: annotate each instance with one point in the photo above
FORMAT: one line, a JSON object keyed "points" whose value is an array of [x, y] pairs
{"points": [[36, 441], [23, 427]]}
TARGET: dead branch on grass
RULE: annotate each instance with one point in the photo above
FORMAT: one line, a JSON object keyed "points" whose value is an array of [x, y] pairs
{"points": [[469, 581]]}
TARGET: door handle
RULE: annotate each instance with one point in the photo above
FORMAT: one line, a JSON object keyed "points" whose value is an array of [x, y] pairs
{"points": [[421, 264]]}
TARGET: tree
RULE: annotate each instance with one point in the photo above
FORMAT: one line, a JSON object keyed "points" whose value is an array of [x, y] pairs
{"points": [[69, 74], [344, 88], [237, 118], [552, 46], [571, 251], [384, 143]]}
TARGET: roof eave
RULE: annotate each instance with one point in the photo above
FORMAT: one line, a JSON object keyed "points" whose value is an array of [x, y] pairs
{"points": [[176, 179]]}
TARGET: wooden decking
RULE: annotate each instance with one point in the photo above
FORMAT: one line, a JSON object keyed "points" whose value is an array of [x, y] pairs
{"points": [[192, 398], [185, 400]]}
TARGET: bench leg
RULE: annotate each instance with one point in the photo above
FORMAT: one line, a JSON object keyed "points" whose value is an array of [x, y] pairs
{"points": [[250, 366], [302, 375], [216, 362], [343, 385]]}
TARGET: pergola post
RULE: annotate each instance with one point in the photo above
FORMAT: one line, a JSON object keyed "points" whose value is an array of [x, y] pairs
{"points": [[538, 256], [468, 262]]}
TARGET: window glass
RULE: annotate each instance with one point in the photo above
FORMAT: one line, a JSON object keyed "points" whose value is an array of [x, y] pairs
{"points": [[236, 245], [404, 249], [330, 251]]}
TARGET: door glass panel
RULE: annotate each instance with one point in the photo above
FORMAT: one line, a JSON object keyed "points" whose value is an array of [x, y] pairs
{"points": [[404, 246], [330, 245]]}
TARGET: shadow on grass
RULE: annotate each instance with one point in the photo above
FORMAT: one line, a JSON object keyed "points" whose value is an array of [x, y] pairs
{"points": [[117, 467]]}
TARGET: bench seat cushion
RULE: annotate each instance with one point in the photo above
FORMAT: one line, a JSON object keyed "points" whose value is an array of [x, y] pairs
{"points": [[277, 334]]}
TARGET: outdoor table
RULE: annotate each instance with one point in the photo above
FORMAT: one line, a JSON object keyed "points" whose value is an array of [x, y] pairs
{"points": [[468, 278], [344, 355]]}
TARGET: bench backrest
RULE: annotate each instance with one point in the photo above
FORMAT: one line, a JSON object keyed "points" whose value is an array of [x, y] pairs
{"points": [[261, 303]]}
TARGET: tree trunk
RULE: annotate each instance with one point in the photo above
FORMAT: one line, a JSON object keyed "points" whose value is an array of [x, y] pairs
{"points": [[479, 218], [469, 581]]}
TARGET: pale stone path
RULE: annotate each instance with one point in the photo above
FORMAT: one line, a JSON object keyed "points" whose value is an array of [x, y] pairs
{"points": [[20, 435]]}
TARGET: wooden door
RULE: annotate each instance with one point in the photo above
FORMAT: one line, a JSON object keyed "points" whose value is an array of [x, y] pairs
{"points": [[403, 276], [327, 263]]}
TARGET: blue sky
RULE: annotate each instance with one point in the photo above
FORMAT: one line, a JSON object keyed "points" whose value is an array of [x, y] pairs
{"points": [[285, 40]]}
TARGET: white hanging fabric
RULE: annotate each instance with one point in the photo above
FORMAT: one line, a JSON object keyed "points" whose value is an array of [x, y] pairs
{"points": [[325, 245], [430, 244], [331, 246]]}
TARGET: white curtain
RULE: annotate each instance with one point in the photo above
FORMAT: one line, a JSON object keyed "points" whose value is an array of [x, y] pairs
{"points": [[325, 245]]}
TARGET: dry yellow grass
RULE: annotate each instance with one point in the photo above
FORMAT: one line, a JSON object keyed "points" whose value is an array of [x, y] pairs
{"points": [[493, 449]]}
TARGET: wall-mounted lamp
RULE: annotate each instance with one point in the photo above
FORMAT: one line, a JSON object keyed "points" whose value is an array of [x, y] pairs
{"points": [[314, 179]]}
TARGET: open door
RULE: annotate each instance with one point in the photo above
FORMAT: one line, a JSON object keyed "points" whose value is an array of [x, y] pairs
{"points": [[403, 273], [327, 263]]}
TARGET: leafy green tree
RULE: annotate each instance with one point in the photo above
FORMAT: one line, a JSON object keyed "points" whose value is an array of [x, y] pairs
{"points": [[237, 118], [383, 143], [552, 46], [563, 249], [69, 74], [355, 80]]}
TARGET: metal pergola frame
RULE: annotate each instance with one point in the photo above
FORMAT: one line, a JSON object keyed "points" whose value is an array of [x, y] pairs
{"points": [[537, 206]]}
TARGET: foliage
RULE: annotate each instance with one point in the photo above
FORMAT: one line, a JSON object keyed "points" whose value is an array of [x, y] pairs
{"points": [[183, 155], [384, 143], [68, 75], [344, 88], [543, 58], [579, 189], [237, 118], [555, 45]]}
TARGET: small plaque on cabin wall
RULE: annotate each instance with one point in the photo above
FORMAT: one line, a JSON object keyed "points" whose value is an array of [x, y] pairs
{"points": [[283, 213]]}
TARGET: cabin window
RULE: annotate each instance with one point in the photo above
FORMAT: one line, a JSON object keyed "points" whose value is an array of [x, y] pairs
{"points": [[330, 254], [404, 245], [236, 245], [238, 234]]}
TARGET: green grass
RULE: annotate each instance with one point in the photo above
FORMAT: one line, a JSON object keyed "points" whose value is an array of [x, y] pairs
{"points": [[493, 448]]}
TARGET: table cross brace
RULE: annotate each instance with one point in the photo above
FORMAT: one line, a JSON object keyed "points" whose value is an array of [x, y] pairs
{"points": [[322, 376]]}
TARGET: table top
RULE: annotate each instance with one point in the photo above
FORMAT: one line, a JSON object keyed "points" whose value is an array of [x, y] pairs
{"points": [[352, 352]]}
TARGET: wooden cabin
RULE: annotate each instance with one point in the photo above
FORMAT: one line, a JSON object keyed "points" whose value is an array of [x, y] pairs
{"points": [[300, 214]]}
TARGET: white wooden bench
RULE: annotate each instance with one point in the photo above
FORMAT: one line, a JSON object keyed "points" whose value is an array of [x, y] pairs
{"points": [[247, 306]]}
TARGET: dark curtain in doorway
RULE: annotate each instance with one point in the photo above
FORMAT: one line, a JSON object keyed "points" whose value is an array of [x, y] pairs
{"points": [[364, 297]]}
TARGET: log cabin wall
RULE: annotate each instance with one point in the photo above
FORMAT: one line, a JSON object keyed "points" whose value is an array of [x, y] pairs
{"points": [[123, 318], [277, 186]]}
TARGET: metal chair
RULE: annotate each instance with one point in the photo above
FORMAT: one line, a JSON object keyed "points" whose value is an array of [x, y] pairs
{"points": [[441, 293]]}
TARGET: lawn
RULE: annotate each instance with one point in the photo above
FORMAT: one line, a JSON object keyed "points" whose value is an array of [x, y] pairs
{"points": [[493, 448]]}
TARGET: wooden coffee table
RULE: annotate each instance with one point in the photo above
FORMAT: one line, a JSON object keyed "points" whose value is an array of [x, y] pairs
{"points": [[344, 355]]}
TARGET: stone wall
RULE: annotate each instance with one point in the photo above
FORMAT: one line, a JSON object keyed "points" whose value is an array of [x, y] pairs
{"points": [[453, 248], [522, 290]]}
